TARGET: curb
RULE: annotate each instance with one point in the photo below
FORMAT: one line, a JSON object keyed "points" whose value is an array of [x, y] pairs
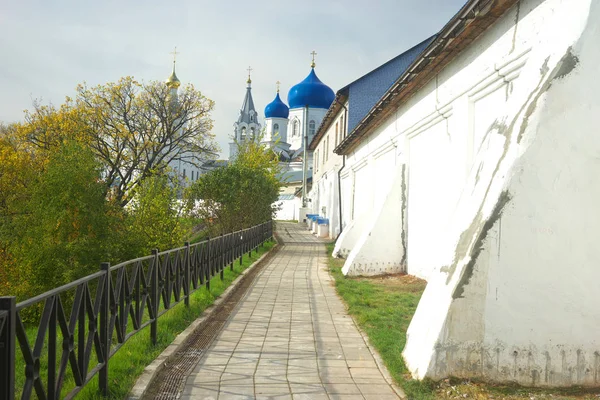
{"points": [[380, 365], [141, 384]]}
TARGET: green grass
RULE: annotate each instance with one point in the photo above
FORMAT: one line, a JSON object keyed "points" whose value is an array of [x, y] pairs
{"points": [[383, 308], [138, 352]]}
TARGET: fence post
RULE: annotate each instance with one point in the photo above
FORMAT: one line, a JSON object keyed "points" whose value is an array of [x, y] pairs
{"points": [[208, 266], [186, 276], [222, 258], [104, 334], [154, 297], [241, 246], [7, 347], [232, 250]]}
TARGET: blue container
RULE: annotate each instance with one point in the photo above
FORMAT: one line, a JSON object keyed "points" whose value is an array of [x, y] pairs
{"points": [[322, 221]]}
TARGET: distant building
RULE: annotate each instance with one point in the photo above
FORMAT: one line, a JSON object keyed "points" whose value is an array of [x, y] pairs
{"points": [[285, 128]]}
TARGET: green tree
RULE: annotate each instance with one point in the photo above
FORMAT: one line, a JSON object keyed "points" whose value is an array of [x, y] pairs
{"points": [[155, 216], [63, 230], [240, 195], [134, 129]]}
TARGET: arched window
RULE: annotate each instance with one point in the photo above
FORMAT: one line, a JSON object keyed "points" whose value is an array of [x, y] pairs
{"points": [[275, 128], [311, 128], [296, 128], [251, 133], [243, 133]]}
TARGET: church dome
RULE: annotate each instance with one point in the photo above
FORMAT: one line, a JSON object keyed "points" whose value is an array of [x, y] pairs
{"points": [[277, 109], [310, 92]]}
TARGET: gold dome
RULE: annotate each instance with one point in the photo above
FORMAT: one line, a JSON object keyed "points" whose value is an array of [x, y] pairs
{"points": [[173, 81]]}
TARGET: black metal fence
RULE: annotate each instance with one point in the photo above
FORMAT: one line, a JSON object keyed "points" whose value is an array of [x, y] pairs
{"points": [[106, 309]]}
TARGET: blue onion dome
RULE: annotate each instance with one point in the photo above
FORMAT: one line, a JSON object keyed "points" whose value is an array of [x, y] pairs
{"points": [[311, 92], [277, 109]]}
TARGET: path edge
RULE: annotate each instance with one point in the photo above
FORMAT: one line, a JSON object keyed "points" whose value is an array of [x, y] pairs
{"points": [[143, 381], [378, 360]]}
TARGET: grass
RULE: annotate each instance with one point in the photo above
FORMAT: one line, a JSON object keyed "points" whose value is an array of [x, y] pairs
{"points": [[129, 362], [383, 307]]}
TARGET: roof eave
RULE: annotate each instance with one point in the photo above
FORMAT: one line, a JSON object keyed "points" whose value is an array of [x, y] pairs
{"points": [[340, 98], [466, 26]]}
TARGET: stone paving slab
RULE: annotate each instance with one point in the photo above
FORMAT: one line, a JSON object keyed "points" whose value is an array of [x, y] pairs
{"points": [[290, 337]]}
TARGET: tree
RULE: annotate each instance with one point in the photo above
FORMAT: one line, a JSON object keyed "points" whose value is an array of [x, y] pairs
{"points": [[242, 194], [62, 231], [155, 218], [135, 129]]}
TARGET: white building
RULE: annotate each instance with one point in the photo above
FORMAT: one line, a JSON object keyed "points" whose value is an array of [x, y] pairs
{"points": [[187, 166], [247, 126], [287, 130], [350, 105], [478, 171]]}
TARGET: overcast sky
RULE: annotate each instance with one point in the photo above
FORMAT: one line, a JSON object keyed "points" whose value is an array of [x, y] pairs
{"points": [[47, 47]]}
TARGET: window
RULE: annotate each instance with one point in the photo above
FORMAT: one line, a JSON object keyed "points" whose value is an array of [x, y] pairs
{"points": [[251, 133], [295, 128], [192, 174], [317, 161], [275, 128], [336, 133], [243, 133], [324, 153], [342, 129], [184, 175], [311, 127]]}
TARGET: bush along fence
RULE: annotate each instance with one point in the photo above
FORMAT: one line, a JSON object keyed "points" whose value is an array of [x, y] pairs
{"points": [[106, 309]]}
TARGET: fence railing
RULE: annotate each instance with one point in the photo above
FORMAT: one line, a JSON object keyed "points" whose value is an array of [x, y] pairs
{"points": [[106, 309]]}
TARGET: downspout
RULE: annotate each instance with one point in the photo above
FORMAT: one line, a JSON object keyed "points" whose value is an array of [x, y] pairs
{"points": [[304, 154], [343, 165]]}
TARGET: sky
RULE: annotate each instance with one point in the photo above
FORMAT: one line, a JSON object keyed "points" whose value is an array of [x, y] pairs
{"points": [[47, 47]]}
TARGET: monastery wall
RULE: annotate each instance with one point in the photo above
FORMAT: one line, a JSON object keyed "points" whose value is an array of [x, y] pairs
{"points": [[499, 206]]}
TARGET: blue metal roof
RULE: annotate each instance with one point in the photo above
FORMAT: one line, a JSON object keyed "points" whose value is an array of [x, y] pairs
{"points": [[277, 109], [364, 92], [310, 92]]}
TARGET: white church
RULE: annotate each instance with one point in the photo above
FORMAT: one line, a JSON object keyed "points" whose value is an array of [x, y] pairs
{"points": [[472, 161], [288, 130]]}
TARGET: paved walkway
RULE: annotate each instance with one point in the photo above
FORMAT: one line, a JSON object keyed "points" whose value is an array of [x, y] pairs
{"points": [[290, 337]]}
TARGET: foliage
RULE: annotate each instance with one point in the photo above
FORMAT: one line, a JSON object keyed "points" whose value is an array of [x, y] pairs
{"points": [[134, 129], [155, 219], [60, 231], [68, 173], [384, 309], [241, 194]]}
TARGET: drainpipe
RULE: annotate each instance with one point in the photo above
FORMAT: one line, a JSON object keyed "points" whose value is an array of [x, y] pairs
{"points": [[304, 155], [343, 165]]}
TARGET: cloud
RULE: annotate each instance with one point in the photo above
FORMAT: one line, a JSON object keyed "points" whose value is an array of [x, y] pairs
{"points": [[50, 47]]}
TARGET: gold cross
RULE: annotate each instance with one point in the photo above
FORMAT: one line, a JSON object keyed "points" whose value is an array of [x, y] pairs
{"points": [[314, 53], [278, 83], [174, 52], [249, 70]]}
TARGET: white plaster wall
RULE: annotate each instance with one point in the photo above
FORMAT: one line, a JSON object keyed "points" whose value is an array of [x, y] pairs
{"points": [[514, 297], [380, 247], [316, 114], [497, 119], [288, 209], [269, 134]]}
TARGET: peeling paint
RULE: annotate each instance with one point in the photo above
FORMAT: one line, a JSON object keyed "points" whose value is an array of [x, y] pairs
{"points": [[404, 216], [567, 64], [489, 223]]}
